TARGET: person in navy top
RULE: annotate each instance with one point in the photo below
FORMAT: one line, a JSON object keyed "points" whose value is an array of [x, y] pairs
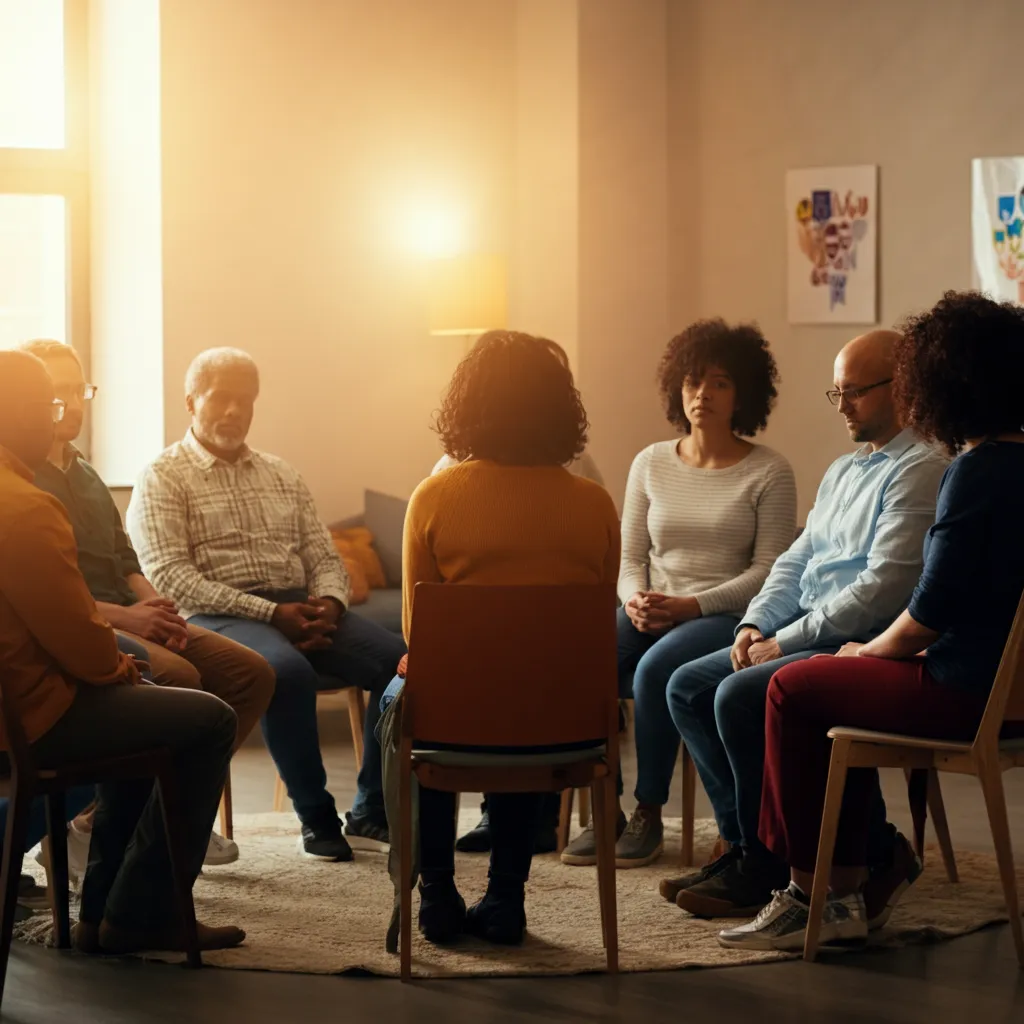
{"points": [[959, 383]]}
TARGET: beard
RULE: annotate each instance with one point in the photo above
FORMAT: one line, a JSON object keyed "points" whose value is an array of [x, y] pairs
{"points": [[228, 442]]}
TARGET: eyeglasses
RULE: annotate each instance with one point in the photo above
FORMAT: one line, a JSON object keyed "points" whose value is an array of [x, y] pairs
{"points": [[83, 392], [835, 396]]}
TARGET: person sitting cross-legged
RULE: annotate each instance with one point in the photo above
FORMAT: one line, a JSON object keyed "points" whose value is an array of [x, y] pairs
{"points": [[845, 578], [509, 514], [79, 698], [178, 653], [958, 373], [703, 521], [231, 535]]}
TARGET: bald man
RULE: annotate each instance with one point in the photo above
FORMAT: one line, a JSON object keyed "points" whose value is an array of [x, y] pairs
{"points": [[79, 698], [848, 575]]}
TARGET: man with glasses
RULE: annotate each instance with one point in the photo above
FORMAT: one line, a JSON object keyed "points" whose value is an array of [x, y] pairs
{"points": [[179, 654], [847, 576]]}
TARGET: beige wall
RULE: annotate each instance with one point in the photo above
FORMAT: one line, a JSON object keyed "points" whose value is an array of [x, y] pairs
{"points": [[298, 140], [915, 86]]}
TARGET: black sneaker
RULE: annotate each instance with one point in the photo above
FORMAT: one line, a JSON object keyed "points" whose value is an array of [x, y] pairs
{"points": [[741, 889], [582, 851], [323, 840], [642, 841], [442, 916], [363, 833], [670, 888], [885, 885], [32, 896], [478, 839]]}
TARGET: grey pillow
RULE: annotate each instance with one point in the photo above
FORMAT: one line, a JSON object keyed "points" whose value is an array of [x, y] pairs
{"points": [[384, 517]]}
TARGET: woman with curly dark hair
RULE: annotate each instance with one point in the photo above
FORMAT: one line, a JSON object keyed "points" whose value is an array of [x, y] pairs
{"points": [[508, 513], [705, 516], [958, 375]]}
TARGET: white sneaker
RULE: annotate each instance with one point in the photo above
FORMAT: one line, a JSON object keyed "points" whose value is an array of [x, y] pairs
{"points": [[220, 851], [78, 853], [783, 923]]}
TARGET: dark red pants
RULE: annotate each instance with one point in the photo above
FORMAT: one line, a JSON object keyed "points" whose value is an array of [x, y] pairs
{"points": [[805, 700]]}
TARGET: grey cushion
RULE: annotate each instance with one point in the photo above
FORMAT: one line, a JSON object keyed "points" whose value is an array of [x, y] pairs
{"points": [[384, 517], [384, 607]]}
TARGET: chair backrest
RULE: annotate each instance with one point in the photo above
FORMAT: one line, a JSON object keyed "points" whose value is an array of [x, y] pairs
{"points": [[1006, 701], [499, 666]]}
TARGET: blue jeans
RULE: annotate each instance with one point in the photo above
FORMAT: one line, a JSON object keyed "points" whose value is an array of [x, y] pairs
{"points": [[719, 714], [76, 799], [362, 654], [652, 658]]}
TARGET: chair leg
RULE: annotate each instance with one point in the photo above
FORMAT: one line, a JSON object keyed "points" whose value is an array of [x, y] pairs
{"points": [[565, 818], [606, 793], [584, 808], [937, 809], [405, 862], [600, 827], [689, 798], [56, 827], [227, 822], [917, 796], [991, 778], [357, 720], [279, 794], [170, 805], [826, 843], [10, 873]]}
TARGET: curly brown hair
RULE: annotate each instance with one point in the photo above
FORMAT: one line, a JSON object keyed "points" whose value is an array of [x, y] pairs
{"points": [[513, 400], [741, 351], [960, 368]]}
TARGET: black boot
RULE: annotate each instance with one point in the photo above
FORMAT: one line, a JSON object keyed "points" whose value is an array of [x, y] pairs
{"points": [[442, 911], [500, 917]]}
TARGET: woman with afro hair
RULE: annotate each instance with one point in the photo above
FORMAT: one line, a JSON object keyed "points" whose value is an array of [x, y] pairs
{"points": [[705, 516]]}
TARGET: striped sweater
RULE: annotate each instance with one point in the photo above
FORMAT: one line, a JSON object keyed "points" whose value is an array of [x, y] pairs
{"points": [[711, 534]]}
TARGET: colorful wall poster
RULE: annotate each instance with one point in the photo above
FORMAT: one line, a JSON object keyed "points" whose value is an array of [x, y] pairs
{"points": [[832, 245], [997, 216]]}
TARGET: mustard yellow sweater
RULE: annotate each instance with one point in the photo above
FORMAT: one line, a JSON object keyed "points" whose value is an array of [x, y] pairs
{"points": [[481, 522]]}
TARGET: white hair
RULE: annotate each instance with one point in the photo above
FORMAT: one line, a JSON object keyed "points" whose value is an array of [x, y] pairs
{"points": [[207, 364]]}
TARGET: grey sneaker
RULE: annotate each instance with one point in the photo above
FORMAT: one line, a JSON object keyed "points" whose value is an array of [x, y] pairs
{"points": [[582, 851], [783, 923], [642, 842]]}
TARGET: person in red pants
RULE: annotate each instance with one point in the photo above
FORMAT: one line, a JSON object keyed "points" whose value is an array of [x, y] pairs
{"points": [[958, 376]]}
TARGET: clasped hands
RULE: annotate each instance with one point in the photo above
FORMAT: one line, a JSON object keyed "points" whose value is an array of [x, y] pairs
{"points": [[751, 648], [651, 612], [308, 624]]}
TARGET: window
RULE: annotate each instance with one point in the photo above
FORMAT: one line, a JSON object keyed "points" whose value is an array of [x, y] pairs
{"points": [[44, 173]]}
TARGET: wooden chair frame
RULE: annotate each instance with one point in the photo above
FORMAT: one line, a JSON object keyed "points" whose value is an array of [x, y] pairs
{"points": [[986, 757], [453, 627]]}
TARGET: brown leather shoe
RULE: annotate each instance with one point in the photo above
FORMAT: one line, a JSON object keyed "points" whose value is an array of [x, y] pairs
{"points": [[670, 888], [122, 940]]}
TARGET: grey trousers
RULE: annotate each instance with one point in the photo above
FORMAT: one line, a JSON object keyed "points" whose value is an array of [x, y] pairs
{"points": [[128, 881]]}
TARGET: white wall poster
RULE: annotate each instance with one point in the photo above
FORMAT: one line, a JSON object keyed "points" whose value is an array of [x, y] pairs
{"points": [[832, 245], [997, 216]]}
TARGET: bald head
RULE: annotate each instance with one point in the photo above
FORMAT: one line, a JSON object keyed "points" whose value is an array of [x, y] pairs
{"points": [[863, 370], [26, 407]]}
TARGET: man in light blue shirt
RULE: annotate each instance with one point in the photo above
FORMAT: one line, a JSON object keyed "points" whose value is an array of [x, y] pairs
{"points": [[848, 575]]}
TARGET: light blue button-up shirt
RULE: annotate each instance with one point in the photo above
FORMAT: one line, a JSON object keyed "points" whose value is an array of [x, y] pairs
{"points": [[853, 569]]}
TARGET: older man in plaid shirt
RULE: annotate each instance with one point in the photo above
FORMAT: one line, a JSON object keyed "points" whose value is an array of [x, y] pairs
{"points": [[232, 536]]}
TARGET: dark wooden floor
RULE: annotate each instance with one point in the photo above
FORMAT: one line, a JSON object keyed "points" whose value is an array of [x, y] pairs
{"points": [[971, 979]]}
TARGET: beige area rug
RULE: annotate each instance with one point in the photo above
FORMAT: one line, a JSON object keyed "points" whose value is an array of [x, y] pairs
{"points": [[309, 917]]}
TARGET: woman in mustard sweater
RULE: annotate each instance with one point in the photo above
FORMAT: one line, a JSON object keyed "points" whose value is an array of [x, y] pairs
{"points": [[509, 513]]}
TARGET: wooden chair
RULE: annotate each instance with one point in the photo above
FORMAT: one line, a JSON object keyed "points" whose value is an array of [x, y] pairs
{"points": [[987, 757], [357, 719], [21, 782], [487, 671]]}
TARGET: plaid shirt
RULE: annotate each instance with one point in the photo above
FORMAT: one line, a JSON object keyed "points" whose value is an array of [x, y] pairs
{"points": [[210, 533]]}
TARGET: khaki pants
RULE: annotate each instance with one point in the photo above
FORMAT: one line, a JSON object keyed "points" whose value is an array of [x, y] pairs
{"points": [[241, 678]]}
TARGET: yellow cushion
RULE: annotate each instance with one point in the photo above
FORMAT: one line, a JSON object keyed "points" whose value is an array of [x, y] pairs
{"points": [[356, 545]]}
